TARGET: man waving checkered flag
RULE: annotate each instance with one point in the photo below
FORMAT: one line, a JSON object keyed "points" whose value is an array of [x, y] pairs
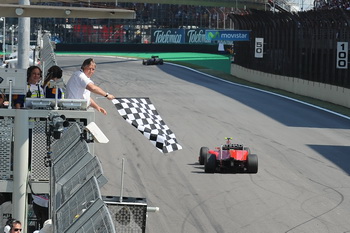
{"points": [[142, 114]]}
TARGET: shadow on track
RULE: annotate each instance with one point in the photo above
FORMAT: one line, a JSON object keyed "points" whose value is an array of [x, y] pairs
{"points": [[283, 110]]}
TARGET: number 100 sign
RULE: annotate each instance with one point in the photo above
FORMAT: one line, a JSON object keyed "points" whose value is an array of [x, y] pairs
{"points": [[342, 55]]}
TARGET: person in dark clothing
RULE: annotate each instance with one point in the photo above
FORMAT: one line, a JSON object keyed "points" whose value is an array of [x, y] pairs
{"points": [[54, 74]]}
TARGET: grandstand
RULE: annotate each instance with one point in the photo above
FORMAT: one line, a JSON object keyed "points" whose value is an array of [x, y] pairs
{"points": [[258, 4], [149, 14], [212, 14]]}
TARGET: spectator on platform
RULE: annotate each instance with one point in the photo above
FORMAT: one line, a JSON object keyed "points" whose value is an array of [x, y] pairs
{"points": [[54, 74], [34, 89], [13, 226], [2, 100], [80, 85]]}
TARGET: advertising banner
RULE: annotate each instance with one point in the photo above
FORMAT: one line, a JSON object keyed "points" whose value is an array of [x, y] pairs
{"points": [[230, 35], [168, 36], [195, 36]]}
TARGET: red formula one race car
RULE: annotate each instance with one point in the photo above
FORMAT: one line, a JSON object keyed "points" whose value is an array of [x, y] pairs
{"points": [[228, 156]]}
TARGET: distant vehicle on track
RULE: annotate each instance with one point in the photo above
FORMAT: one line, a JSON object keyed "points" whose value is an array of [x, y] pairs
{"points": [[229, 156], [154, 60]]}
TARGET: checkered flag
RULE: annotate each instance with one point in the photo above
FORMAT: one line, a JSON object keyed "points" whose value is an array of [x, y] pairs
{"points": [[142, 114]]}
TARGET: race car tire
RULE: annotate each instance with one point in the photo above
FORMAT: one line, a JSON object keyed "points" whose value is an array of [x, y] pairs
{"points": [[143, 62], [161, 61], [247, 149], [210, 165], [203, 155], [252, 163]]}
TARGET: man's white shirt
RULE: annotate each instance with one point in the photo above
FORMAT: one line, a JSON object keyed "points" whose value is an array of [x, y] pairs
{"points": [[76, 86]]}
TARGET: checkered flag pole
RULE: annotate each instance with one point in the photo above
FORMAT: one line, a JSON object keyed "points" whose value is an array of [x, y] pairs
{"points": [[142, 114]]}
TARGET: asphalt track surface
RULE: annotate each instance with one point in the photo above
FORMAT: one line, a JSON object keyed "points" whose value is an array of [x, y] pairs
{"points": [[303, 180]]}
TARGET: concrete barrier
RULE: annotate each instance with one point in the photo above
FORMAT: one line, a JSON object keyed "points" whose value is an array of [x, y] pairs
{"points": [[321, 91]]}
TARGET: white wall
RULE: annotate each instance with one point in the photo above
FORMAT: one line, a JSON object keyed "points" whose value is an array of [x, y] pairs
{"points": [[325, 92]]}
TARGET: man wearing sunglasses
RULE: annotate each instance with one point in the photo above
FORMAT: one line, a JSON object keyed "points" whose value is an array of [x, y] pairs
{"points": [[13, 226], [16, 227]]}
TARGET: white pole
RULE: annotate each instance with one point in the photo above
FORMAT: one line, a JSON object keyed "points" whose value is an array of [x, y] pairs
{"points": [[209, 17], [20, 166], [56, 96], [4, 39], [224, 20], [10, 95], [24, 43], [217, 19], [12, 37], [122, 180]]}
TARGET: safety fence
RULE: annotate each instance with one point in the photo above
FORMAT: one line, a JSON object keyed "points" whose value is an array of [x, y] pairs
{"points": [[309, 45], [148, 16]]}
